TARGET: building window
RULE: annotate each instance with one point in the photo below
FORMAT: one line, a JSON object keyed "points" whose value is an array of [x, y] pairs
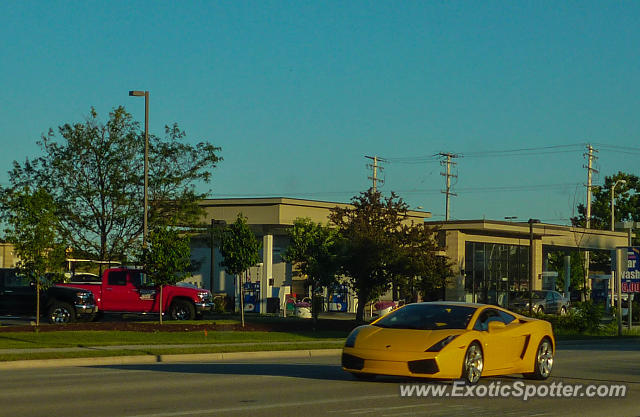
{"points": [[493, 271]]}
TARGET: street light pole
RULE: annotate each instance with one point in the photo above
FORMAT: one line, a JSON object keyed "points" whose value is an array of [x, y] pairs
{"points": [[145, 228], [613, 190], [532, 272]]}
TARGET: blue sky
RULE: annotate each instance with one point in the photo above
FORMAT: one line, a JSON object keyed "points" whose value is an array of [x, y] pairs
{"points": [[296, 93]]}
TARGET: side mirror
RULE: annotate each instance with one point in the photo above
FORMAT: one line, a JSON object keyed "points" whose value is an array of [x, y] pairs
{"points": [[495, 325]]}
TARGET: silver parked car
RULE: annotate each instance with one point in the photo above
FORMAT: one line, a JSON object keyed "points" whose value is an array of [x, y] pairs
{"points": [[544, 301]]}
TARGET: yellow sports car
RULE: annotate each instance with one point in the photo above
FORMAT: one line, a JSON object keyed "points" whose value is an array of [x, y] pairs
{"points": [[450, 340]]}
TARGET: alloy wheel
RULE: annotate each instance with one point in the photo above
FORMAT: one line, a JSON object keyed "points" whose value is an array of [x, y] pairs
{"points": [[544, 359], [473, 364]]}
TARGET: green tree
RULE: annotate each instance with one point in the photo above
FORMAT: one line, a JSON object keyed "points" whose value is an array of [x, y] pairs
{"points": [[626, 208], [240, 250], [94, 171], [627, 203], [314, 248], [32, 220], [371, 232], [556, 263], [167, 258], [418, 266]]}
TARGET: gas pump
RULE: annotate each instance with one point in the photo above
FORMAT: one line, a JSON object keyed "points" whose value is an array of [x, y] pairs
{"points": [[339, 299], [252, 297]]}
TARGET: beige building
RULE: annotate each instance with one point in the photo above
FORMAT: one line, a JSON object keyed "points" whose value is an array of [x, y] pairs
{"points": [[491, 257], [7, 256], [269, 218]]}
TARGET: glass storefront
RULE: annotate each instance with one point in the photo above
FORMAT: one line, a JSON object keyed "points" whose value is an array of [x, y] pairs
{"points": [[493, 271]]}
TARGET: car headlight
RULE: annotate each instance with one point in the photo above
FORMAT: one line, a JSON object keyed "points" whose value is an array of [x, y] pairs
{"points": [[351, 339], [83, 296], [204, 296], [444, 342]]}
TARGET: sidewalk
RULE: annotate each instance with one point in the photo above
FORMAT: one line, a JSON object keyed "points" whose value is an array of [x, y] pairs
{"points": [[177, 358], [148, 347]]}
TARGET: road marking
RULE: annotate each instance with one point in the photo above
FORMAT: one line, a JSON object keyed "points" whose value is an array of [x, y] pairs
{"points": [[218, 410], [372, 409]]}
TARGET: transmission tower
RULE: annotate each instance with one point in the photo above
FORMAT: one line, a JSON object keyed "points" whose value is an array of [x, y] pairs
{"points": [[447, 161], [590, 170], [375, 167]]}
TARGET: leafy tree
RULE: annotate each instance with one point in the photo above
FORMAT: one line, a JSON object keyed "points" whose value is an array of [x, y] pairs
{"points": [[314, 248], [556, 263], [627, 202], [627, 208], [33, 223], [167, 258], [94, 171], [370, 230], [240, 250], [418, 266]]}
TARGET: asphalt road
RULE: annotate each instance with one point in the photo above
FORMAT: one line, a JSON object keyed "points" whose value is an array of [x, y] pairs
{"points": [[304, 387]]}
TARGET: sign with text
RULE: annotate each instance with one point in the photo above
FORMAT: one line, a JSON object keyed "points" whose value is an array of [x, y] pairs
{"points": [[631, 274]]}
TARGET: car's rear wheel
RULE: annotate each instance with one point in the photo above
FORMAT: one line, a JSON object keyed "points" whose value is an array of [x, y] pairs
{"points": [[182, 310], [60, 313], [543, 361], [473, 364]]}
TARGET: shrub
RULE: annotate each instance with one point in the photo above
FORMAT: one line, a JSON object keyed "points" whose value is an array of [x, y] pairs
{"points": [[584, 317]]}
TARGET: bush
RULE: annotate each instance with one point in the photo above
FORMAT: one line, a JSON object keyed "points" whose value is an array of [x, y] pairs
{"points": [[222, 303], [583, 317]]}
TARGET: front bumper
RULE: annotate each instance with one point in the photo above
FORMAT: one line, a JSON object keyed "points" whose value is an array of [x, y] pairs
{"points": [[86, 308], [445, 365], [204, 306]]}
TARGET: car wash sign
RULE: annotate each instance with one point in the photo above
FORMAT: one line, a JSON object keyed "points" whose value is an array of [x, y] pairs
{"points": [[631, 275]]}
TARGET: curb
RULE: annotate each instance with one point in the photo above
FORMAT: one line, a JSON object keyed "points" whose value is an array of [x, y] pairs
{"points": [[188, 357]]}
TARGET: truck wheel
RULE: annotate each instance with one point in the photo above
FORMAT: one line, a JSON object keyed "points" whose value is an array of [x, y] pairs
{"points": [[182, 310], [61, 312]]}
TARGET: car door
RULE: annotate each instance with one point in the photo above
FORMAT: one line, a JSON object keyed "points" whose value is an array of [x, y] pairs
{"points": [[142, 294], [551, 303], [501, 347], [18, 294], [114, 291]]}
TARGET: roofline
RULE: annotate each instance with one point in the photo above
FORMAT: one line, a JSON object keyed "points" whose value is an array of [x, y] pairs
{"points": [[268, 201], [520, 225]]}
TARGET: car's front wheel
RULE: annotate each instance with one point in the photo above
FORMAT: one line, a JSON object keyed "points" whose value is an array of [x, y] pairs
{"points": [[543, 361], [61, 312], [182, 310], [473, 364]]}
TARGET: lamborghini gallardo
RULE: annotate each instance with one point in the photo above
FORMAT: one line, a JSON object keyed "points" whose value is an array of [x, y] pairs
{"points": [[449, 340]]}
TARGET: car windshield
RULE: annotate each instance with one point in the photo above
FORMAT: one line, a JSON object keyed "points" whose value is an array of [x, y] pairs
{"points": [[524, 295], [428, 317]]}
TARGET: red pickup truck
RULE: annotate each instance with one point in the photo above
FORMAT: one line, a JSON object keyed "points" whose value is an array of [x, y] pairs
{"points": [[125, 290]]}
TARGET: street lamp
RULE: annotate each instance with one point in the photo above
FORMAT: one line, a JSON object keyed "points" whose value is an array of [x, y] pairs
{"points": [[532, 272], [145, 94], [613, 190]]}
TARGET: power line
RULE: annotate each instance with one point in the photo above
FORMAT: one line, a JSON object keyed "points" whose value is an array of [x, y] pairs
{"points": [[540, 150], [469, 190]]}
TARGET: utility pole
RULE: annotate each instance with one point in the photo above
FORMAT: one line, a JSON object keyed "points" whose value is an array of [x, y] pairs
{"points": [[590, 170], [448, 162], [375, 167]]}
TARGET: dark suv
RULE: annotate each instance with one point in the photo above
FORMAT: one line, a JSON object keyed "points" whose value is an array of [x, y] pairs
{"points": [[57, 304]]}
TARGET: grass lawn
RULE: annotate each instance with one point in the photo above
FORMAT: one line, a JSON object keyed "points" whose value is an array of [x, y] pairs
{"points": [[155, 343]]}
